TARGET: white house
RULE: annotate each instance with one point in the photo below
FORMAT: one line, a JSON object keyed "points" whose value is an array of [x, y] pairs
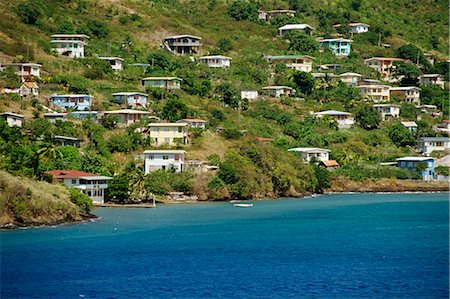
{"points": [[278, 91], [90, 184], [216, 61], [344, 120], [410, 94], [308, 153], [358, 28], [194, 123], [303, 27], [427, 79], [299, 62], [13, 119], [351, 79], [24, 70], [388, 110], [133, 99], [164, 159], [430, 144], [410, 125], [269, 15], [53, 117], [251, 95], [376, 93], [71, 45], [29, 89], [115, 62]]}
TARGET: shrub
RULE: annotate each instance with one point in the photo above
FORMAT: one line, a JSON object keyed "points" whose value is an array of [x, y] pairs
{"points": [[83, 201], [243, 10]]}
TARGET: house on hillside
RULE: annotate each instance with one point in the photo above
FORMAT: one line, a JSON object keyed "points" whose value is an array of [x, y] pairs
{"points": [[13, 119], [330, 67], [70, 45], [429, 144], [143, 66], [164, 159], [251, 95], [29, 89], [168, 134], [305, 28], [339, 46], [442, 126], [376, 93], [67, 141], [216, 60], [93, 115], [133, 99], [330, 165], [410, 125], [167, 83], [309, 153], [299, 62], [270, 14], [194, 123], [182, 44], [344, 120], [409, 94], [435, 79], [383, 65], [355, 28], [92, 185], [115, 62], [278, 91], [126, 117], [351, 79], [411, 163], [54, 116], [388, 110], [75, 101], [24, 70]]}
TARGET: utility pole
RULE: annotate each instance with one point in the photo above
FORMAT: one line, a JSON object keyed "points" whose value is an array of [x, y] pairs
{"points": [[379, 40]]}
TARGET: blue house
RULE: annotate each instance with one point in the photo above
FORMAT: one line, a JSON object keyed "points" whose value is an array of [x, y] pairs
{"points": [[339, 46], [76, 101], [410, 163]]}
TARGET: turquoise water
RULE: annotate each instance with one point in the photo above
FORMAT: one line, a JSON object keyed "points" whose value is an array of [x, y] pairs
{"points": [[339, 246]]}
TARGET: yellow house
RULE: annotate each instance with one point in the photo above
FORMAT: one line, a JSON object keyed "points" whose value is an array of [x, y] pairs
{"points": [[168, 133]]}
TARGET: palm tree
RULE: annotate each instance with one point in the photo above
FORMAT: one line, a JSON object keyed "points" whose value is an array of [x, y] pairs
{"points": [[49, 152]]}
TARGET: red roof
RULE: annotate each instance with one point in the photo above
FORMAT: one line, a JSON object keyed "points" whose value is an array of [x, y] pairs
{"points": [[264, 139], [69, 174]]}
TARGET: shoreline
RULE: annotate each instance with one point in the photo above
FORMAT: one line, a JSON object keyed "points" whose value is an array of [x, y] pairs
{"points": [[90, 217]]}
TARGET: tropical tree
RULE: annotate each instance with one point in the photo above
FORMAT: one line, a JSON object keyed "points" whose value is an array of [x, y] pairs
{"points": [[368, 118], [304, 82]]}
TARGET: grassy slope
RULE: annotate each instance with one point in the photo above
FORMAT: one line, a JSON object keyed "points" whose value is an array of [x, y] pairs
{"points": [[39, 203], [405, 23]]}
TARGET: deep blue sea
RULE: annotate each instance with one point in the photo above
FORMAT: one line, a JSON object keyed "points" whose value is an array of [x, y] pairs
{"points": [[337, 246]]}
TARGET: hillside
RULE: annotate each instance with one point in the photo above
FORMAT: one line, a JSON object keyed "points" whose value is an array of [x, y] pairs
{"points": [[25, 202], [248, 167]]}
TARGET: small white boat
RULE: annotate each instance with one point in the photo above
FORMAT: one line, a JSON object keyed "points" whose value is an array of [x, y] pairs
{"points": [[243, 205]]}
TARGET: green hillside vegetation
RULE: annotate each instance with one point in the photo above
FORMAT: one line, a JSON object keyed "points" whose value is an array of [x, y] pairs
{"points": [[25, 202], [248, 168]]}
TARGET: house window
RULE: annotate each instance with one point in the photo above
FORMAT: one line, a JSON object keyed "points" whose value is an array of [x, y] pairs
{"points": [[165, 157], [74, 181], [180, 129], [166, 129], [151, 157]]}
